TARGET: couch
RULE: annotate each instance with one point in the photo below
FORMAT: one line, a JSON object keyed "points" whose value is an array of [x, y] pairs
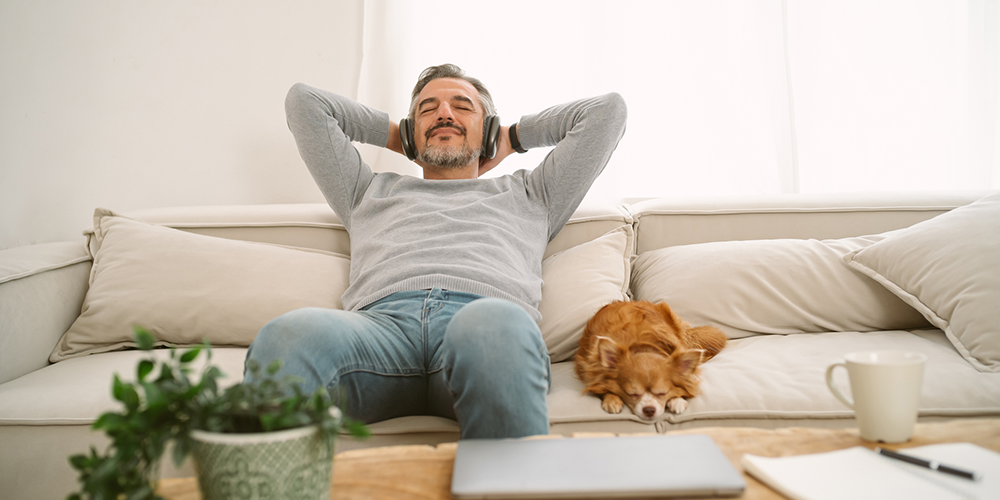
{"points": [[796, 281]]}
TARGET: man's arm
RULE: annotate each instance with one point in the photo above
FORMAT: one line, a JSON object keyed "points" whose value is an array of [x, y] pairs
{"points": [[395, 143], [585, 133], [324, 124]]}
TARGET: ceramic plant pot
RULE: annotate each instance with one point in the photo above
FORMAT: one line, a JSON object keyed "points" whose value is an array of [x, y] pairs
{"points": [[289, 465]]}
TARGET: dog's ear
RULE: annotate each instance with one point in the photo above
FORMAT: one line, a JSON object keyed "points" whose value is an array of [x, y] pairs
{"points": [[686, 361], [670, 318], [608, 352]]}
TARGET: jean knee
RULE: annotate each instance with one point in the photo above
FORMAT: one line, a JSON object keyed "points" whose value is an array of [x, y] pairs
{"points": [[497, 368], [297, 336], [494, 328], [288, 329]]}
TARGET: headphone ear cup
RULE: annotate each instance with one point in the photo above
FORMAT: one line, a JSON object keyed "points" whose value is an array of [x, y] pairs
{"points": [[491, 136], [406, 138]]}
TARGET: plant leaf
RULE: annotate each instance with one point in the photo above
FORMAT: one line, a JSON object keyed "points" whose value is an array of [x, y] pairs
{"points": [[357, 429], [145, 366], [155, 398], [189, 356], [182, 447], [274, 366], [109, 421], [143, 339], [79, 461]]}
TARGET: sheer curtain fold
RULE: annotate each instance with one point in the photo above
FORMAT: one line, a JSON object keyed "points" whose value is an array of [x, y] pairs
{"points": [[725, 97]]}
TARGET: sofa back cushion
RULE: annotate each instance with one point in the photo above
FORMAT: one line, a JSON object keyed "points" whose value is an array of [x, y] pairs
{"points": [[948, 268], [772, 264], [186, 288], [781, 286], [665, 222], [314, 225], [206, 282]]}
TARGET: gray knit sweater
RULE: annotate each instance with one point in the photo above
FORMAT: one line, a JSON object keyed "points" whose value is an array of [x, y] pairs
{"points": [[483, 236]]}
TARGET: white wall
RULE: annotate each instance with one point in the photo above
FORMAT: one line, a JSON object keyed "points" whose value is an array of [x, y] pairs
{"points": [[128, 105]]}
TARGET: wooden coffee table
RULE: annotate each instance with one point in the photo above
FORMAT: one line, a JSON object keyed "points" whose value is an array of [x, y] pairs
{"points": [[424, 472]]}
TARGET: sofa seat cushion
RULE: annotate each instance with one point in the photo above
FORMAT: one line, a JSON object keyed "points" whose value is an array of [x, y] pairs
{"points": [[782, 377], [767, 377], [78, 390]]}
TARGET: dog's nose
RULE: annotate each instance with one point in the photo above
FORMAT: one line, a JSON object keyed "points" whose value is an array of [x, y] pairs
{"points": [[649, 411]]}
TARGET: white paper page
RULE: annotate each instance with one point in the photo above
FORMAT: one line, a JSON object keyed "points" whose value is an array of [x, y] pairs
{"points": [[856, 473], [965, 456]]}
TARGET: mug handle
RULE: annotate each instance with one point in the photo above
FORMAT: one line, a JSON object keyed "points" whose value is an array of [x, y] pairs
{"points": [[836, 392]]}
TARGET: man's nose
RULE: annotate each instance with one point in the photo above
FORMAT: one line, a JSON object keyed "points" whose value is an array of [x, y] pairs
{"points": [[445, 113]]}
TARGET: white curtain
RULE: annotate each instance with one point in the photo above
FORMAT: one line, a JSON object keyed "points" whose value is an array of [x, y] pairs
{"points": [[725, 97]]}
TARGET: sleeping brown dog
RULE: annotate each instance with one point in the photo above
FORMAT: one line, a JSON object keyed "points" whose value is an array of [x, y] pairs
{"points": [[643, 355]]}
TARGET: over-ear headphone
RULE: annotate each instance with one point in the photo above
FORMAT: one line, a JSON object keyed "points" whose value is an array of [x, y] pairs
{"points": [[491, 137]]}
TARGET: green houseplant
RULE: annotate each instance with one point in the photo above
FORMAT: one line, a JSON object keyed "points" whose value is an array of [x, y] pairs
{"points": [[164, 406]]}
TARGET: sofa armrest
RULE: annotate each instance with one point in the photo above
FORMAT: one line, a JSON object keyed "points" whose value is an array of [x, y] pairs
{"points": [[41, 293]]}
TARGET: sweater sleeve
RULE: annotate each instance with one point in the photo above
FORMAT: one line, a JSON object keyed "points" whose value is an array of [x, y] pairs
{"points": [[585, 133], [324, 124]]}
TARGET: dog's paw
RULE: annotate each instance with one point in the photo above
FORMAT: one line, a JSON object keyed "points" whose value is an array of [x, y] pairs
{"points": [[677, 405], [612, 403]]}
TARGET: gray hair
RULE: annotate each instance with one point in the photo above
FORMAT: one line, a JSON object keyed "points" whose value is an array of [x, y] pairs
{"points": [[451, 71]]}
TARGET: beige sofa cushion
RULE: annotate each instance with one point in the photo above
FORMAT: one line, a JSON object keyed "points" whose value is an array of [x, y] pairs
{"points": [[774, 380], [779, 286], [948, 268], [579, 281], [186, 287]]}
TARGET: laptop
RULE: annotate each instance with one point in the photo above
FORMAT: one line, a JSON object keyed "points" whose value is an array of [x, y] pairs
{"points": [[630, 467]]}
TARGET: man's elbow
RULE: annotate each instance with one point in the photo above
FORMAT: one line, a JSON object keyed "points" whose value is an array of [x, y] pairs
{"points": [[614, 109], [296, 97]]}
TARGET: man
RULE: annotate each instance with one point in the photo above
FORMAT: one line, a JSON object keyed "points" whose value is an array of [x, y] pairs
{"points": [[441, 314]]}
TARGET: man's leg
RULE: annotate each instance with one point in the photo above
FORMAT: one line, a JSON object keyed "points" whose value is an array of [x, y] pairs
{"points": [[496, 367], [375, 359]]}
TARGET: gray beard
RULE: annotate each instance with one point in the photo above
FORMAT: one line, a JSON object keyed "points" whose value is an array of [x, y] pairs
{"points": [[448, 157]]}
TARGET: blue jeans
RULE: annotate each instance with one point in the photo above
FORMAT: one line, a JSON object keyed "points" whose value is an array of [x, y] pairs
{"points": [[480, 361]]}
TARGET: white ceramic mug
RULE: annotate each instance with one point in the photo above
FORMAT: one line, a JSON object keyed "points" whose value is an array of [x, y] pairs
{"points": [[886, 390]]}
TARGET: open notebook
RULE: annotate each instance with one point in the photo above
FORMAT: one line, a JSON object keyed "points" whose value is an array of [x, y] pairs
{"points": [[632, 467], [859, 473]]}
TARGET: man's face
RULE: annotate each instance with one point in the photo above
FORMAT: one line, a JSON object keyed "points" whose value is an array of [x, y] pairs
{"points": [[448, 123]]}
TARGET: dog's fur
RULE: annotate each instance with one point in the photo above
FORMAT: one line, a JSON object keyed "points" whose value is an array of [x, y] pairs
{"points": [[643, 355]]}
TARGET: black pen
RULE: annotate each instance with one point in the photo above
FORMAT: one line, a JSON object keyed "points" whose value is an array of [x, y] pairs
{"points": [[928, 464]]}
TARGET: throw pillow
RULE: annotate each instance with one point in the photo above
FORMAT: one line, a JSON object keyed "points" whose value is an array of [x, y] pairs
{"points": [[187, 287], [781, 286], [577, 282], [948, 268]]}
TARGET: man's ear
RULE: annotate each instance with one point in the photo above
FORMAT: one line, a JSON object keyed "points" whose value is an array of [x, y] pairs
{"points": [[608, 352]]}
